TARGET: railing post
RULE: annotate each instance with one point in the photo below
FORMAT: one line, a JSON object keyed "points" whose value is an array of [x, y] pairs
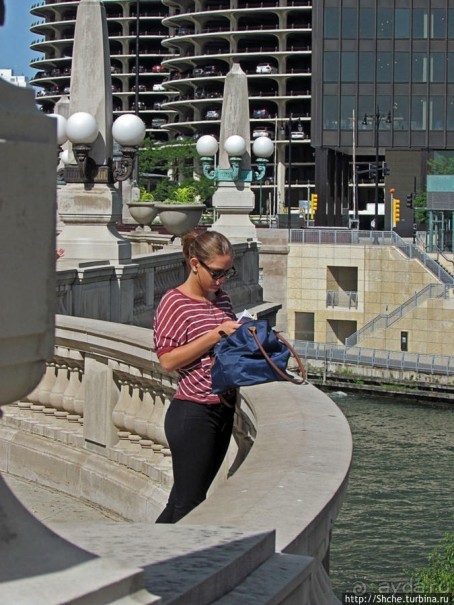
{"points": [[101, 395]]}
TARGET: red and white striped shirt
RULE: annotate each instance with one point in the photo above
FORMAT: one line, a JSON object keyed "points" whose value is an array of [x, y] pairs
{"points": [[180, 319]]}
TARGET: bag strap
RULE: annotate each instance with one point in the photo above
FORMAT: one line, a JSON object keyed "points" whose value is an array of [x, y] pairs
{"points": [[253, 332]]}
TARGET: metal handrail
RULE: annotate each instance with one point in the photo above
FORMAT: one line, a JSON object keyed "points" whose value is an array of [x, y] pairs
{"points": [[378, 358], [383, 320], [341, 298]]}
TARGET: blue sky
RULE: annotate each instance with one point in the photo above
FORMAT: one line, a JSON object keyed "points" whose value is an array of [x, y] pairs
{"points": [[15, 38]]}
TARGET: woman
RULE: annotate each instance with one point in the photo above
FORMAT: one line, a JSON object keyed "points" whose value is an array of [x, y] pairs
{"points": [[188, 322]]}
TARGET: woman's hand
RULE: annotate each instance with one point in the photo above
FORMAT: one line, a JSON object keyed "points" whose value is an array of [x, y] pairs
{"points": [[227, 328], [186, 354]]}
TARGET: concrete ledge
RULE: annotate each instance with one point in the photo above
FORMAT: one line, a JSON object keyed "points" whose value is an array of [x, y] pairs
{"points": [[295, 475]]}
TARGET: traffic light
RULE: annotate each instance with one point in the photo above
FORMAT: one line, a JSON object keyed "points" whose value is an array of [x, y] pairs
{"points": [[385, 169], [314, 203], [396, 211], [372, 171], [410, 200]]}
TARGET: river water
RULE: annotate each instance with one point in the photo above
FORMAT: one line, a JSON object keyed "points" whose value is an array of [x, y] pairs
{"points": [[399, 502]]}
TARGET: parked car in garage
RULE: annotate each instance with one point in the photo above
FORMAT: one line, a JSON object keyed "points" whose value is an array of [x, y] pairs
{"points": [[265, 68]]}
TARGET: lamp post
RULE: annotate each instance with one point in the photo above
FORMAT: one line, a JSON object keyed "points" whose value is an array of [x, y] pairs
{"points": [[377, 119], [136, 92], [82, 130], [235, 146], [286, 129]]}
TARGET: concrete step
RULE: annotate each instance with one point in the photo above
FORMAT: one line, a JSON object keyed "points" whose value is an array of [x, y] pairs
{"points": [[283, 579], [184, 565]]}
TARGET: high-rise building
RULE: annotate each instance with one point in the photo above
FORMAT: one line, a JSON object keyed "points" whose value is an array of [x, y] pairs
{"points": [[383, 83], [176, 79], [8, 76]]}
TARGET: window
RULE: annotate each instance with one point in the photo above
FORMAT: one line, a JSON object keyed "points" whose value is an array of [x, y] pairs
{"points": [[436, 112], [347, 107], [400, 113], [402, 23], [331, 67], [332, 22], [330, 116], [401, 67], [365, 108], [450, 67], [384, 63], [420, 23], [437, 67], [418, 112], [438, 23], [384, 22], [348, 67], [304, 326], [367, 22], [348, 23], [450, 115], [419, 67], [366, 66], [450, 23]]}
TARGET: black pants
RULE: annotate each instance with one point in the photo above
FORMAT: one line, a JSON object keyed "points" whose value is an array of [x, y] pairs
{"points": [[198, 437]]}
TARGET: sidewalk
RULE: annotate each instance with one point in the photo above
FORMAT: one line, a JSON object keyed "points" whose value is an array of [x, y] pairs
{"points": [[53, 507]]}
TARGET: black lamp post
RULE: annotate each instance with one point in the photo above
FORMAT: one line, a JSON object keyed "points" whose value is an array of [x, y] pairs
{"points": [[377, 119], [136, 92], [286, 129]]}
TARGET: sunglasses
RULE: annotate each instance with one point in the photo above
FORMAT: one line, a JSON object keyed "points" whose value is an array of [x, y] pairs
{"points": [[219, 273]]}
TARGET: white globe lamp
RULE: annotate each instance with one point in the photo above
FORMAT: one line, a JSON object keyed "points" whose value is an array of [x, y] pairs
{"points": [[263, 147], [235, 145], [129, 130], [207, 145], [82, 128]]}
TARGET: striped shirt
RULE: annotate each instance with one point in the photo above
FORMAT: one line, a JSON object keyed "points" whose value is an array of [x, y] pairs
{"points": [[180, 319]]}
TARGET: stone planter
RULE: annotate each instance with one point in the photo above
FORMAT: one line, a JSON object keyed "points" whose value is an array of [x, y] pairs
{"points": [[143, 213], [179, 219]]}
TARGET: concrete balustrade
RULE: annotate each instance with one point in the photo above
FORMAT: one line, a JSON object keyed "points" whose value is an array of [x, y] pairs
{"points": [[130, 293], [93, 428]]}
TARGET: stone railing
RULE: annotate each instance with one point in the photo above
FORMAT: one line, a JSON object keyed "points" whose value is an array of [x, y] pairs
{"points": [[93, 428], [130, 293]]}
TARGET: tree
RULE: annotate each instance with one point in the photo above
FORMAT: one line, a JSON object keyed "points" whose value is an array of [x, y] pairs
{"points": [[438, 576], [420, 206], [441, 165], [175, 161]]}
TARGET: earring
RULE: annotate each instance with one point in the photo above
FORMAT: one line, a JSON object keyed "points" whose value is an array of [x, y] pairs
{"points": [[195, 270]]}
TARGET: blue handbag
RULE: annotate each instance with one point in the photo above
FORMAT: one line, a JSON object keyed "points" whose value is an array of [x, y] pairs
{"points": [[253, 354]]}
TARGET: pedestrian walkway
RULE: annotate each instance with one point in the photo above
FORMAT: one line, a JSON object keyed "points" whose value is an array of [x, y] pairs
{"points": [[52, 507]]}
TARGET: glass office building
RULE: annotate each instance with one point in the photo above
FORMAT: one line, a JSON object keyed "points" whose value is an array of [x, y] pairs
{"points": [[383, 84]]}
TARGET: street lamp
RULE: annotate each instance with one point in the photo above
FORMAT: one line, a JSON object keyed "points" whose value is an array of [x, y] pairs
{"points": [[377, 119], [82, 130], [235, 146], [286, 129]]}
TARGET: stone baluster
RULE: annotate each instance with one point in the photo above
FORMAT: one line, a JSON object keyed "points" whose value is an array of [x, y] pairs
{"points": [[79, 398], [144, 414], [73, 387], [119, 412], [60, 384], [45, 387]]}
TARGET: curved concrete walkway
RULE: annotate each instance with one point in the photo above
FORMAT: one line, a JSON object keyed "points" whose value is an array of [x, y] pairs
{"points": [[52, 507]]}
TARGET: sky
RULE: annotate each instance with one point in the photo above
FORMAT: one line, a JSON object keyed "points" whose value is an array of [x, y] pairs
{"points": [[15, 37]]}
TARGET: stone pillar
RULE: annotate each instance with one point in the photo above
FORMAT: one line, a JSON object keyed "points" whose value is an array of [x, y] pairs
{"points": [[90, 210], [235, 201]]}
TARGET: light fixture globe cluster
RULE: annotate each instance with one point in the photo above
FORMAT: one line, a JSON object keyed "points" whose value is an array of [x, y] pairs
{"points": [[82, 130], [235, 146]]}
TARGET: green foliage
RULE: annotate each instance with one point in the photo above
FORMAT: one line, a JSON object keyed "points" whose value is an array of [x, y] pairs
{"points": [[183, 195], [441, 165], [145, 196], [438, 576], [176, 163], [420, 206]]}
